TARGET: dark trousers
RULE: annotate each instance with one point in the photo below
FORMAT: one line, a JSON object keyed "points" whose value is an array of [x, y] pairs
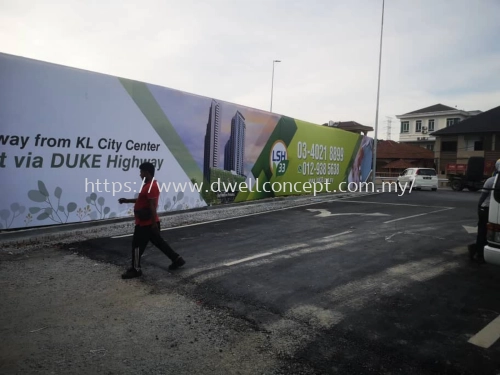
{"points": [[482, 230], [142, 236]]}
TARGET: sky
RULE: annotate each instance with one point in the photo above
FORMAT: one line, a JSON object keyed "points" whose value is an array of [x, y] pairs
{"points": [[444, 51]]}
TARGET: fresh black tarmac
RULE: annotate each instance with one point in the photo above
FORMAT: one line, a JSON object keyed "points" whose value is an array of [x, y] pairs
{"points": [[381, 283]]}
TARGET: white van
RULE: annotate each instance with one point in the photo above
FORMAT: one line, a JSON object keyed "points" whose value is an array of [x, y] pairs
{"points": [[423, 177], [492, 249]]}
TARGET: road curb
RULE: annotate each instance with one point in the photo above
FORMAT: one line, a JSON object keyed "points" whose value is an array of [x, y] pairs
{"points": [[21, 240]]}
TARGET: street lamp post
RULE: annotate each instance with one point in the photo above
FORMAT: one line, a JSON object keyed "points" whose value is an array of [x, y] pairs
{"points": [[374, 167], [272, 85]]}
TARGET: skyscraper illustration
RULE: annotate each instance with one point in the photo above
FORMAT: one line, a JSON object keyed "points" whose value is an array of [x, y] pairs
{"points": [[234, 152], [211, 157], [227, 155]]}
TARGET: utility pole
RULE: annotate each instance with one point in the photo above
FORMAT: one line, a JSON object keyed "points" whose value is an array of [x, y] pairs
{"points": [[272, 85], [374, 167]]}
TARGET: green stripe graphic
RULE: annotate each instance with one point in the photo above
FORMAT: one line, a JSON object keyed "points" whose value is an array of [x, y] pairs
{"points": [[148, 105]]}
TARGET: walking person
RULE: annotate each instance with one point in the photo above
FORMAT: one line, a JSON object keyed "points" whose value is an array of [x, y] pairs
{"points": [[147, 223], [483, 209]]}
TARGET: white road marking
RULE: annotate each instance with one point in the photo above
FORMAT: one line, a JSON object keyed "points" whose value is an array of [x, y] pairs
{"points": [[470, 230], [247, 259], [329, 238], [192, 271], [275, 257], [412, 216], [247, 215], [285, 248], [122, 235], [488, 335], [338, 234], [388, 238], [392, 204], [326, 213]]}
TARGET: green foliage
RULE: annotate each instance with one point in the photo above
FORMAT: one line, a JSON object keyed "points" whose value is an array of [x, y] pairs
{"points": [[52, 210], [15, 210], [100, 211]]}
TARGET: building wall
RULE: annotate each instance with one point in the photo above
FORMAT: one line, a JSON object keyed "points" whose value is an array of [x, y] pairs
{"points": [[444, 157], [463, 154], [491, 150], [439, 123]]}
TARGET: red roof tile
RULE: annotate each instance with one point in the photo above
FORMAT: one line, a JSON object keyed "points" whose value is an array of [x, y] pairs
{"points": [[395, 150], [398, 164]]}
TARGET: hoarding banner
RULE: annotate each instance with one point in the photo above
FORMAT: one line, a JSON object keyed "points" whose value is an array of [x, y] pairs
{"points": [[71, 142]]}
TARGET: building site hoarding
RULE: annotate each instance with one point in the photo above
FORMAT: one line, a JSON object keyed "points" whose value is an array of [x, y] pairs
{"points": [[71, 142]]}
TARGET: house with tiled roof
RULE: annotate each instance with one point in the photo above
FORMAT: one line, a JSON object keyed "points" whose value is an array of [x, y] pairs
{"points": [[417, 126], [478, 135], [394, 157], [351, 126]]}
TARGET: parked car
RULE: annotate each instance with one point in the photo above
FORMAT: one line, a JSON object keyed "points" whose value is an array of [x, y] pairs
{"points": [[420, 178], [492, 249]]}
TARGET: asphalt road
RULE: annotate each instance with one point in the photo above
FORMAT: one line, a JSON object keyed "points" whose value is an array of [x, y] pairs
{"points": [[376, 284]]}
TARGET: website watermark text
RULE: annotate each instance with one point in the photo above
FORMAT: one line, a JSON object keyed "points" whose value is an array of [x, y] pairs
{"points": [[299, 187]]}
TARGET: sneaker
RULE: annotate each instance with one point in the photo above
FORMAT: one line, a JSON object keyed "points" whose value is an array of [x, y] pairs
{"points": [[179, 262], [131, 273]]}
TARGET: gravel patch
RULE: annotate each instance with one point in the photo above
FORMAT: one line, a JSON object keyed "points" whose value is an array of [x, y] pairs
{"points": [[66, 314]]}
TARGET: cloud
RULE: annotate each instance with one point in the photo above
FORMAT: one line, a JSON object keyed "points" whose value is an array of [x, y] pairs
{"points": [[433, 51]]}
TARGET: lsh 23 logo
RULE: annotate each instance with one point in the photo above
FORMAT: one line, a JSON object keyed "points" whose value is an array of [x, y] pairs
{"points": [[279, 158]]}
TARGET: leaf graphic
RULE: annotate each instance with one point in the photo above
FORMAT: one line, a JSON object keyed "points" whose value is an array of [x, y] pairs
{"points": [[88, 200], [180, 195], [34, 210], [101, 201], [48, 210], [14, 207], [106, 210], [61, 208], [43, 190], [112, 214], [93, 196], [42, 216], [4, 214], [71, 206], [36, 196], [58, 192]]}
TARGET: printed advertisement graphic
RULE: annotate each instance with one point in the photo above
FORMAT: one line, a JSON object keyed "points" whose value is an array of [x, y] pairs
{"points": [[71, 142], [300, 155]]}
